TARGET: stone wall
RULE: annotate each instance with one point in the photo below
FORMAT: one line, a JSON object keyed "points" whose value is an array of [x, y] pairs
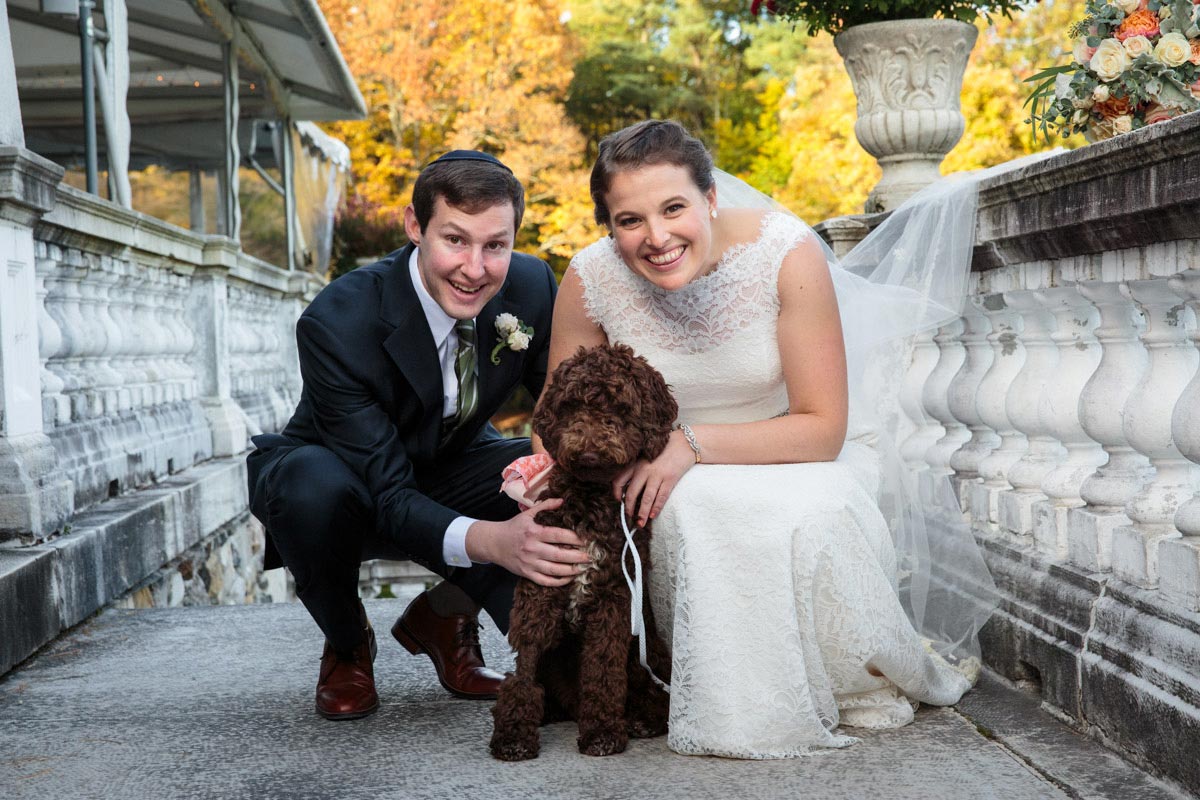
{"points": [[1065, 406], [135, 360]]}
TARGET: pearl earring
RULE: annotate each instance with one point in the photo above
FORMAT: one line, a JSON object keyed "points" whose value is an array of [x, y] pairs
{"points": [[712, 213]]}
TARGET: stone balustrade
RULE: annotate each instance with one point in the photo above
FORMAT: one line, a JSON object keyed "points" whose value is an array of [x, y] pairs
{"points": [[1065, 407], [157, 353], [135, 359]]}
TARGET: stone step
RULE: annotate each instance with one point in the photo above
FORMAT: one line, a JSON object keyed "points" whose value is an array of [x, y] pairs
{"points": [[216, 702]]}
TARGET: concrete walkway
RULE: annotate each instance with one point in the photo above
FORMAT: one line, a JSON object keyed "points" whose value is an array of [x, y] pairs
{"points": [[217, 703]]}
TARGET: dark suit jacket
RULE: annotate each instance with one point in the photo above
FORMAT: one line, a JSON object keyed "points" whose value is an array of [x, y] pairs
{"points": [[373, 388]]}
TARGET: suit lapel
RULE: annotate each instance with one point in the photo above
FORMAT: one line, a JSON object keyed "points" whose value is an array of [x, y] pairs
{"points": [[411, 344], [492, 377]]}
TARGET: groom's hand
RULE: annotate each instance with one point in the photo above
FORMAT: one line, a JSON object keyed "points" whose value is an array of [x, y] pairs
{"points": [[544, 554]]}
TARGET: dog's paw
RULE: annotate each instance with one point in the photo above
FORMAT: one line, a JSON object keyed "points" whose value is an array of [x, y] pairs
{"points": [[510, 747], [603, 741], [647, 728]]}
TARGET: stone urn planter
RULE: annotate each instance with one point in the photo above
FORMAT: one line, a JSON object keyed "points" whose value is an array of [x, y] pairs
{"points": [[907, 76]]}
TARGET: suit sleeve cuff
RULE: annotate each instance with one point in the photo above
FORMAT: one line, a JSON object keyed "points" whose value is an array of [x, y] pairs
{"points": [[454, 543]]}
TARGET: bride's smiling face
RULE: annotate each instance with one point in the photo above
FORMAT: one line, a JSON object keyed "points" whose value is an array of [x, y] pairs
{"points": [[661, 224]]}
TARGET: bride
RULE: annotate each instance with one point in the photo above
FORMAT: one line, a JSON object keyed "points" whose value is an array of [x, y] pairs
{"points": [[792, 606]]}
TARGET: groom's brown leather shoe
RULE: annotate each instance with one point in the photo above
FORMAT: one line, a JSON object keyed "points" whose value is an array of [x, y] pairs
{"points": [[452, 643], [346, 687]]}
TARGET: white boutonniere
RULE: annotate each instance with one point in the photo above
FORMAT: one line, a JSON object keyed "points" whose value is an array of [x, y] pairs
{"points": [[514, 334]]}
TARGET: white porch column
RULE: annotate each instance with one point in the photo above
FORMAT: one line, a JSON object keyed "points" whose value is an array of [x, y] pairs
{"points": [[112, 80], [11, 129], [233, 158], [34, 497]]}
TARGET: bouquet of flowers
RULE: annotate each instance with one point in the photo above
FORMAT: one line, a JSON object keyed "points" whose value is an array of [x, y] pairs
{"points": [[1136, 62]]}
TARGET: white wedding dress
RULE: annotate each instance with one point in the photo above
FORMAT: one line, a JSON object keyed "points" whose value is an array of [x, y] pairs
{"points": [[774, 585]]}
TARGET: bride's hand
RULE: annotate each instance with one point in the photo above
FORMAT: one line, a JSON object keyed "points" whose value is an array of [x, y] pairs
{"points": [[645, 486]]}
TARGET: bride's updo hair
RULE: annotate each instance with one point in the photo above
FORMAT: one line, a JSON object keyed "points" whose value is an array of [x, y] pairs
{"points": [[654, 141]]}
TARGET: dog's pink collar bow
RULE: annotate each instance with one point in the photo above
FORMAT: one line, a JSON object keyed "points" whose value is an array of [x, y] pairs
{"points": [[525, 479]]}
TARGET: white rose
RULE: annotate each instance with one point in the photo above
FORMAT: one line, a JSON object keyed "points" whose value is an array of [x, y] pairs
{"points": [[1173, 49], [1164, 12], [506, 323], [518, 340], [1123, 124], [1138, 46], [1128, 6], [1100, 93], [1110, 60]]}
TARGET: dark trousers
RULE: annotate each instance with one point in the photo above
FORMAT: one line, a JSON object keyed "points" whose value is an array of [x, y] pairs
{"points": [[321, 520]]}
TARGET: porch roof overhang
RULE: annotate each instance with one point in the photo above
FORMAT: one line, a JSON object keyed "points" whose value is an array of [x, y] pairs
{"points": [[290, 67]]}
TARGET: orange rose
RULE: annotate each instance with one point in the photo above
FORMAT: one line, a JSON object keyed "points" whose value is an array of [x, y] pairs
{"points": [[1139, 23], [1112, 107], [1195, 57], [1156, 113]]}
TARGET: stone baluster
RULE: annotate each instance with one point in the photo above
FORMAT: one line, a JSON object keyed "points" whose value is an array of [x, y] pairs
{"points": [[1078, 356], [1123, 361], [188, 345], [963, 403], [1179, 559], [75, 330], [151, 319], [1023, 406], [122, 302], [925, 430], [181, 342], [1147, 426], [1008, 356], [141, 319], [56, 408], [936, 400], [103, 379], [120, 335]]}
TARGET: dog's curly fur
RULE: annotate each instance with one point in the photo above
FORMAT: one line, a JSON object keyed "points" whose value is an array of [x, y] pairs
{"points": [[576, 658]]}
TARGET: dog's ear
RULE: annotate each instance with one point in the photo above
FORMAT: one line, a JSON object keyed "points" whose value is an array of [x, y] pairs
{"points": [[659, 408]]}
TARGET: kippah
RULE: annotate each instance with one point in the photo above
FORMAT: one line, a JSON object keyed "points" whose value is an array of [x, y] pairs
{"points": [[469, 155]]}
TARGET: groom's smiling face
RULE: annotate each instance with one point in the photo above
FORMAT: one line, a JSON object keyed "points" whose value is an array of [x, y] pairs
{"points": [[463, 258]]}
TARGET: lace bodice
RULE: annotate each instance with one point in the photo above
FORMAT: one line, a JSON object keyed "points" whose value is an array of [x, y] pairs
{"points": [[714, 340]]}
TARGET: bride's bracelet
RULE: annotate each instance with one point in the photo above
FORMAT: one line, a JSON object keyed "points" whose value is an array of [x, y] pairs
{"points": [[690, 437]]}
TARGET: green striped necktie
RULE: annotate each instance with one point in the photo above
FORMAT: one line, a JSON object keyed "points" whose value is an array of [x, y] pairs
{"points": [[466, 362]]}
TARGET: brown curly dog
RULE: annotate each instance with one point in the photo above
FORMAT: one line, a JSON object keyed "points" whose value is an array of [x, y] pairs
{"points": [[605, 409]]}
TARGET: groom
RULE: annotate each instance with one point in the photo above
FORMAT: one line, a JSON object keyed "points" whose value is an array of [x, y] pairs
{"points": [[390, 454]]}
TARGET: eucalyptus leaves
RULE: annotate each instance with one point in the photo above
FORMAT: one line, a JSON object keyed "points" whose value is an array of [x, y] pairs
{"points": [[1136, 62]]}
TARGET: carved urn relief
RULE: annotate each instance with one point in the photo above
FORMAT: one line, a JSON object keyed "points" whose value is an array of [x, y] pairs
{"points": [[907, 76]]}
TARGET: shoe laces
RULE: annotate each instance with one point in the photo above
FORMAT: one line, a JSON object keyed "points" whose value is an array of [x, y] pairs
{"points": [[468, 634]]}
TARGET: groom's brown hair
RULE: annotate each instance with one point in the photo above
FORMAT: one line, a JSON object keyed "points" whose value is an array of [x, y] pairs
{"points": [[653, 141], [470, 185]]}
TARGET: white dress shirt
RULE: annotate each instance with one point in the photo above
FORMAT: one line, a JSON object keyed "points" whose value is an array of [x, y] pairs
{"points": [[441, 324]]}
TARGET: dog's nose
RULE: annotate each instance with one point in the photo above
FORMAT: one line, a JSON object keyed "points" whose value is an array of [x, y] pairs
{"points": [[589, 460]]}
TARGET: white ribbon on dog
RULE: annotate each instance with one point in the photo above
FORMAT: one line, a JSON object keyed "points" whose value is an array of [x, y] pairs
{"points": [[637, 620]]}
